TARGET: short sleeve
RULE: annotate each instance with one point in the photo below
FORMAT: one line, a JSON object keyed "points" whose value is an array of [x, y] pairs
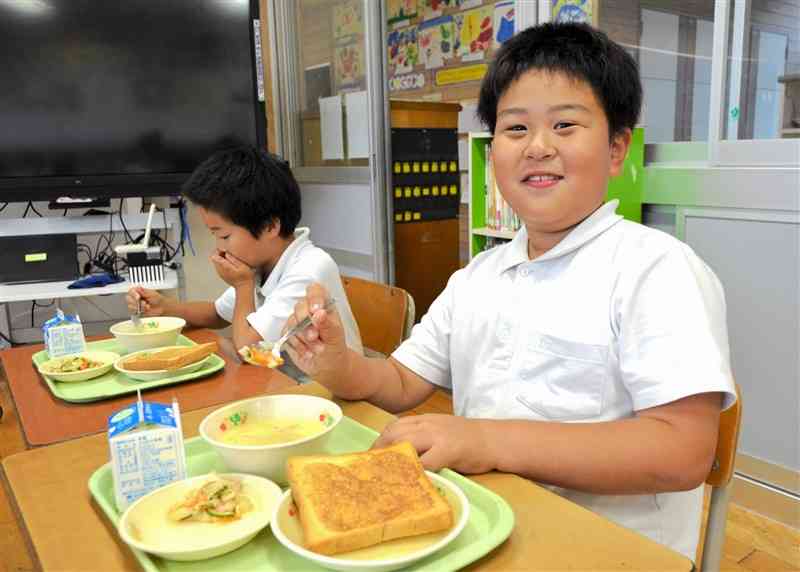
{"points": [[225, 303], [268, 320], [427, 350], [673, 338]]}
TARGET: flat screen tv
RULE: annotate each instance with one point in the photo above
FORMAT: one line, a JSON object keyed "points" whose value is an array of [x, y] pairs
{"points": [[122, 98]]}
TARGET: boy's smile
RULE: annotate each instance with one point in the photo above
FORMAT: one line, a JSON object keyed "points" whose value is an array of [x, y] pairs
{"points": [[552, 154]]}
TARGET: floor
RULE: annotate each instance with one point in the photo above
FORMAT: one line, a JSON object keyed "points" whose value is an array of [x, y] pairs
{"points": [[753, 543]]}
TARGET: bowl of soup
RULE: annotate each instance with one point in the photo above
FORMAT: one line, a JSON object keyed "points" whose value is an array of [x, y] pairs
{"points": [[257, 435], [152, 333]]}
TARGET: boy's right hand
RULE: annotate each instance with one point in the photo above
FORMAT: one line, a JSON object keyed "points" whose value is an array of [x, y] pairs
{"points": [[320, 350], [152, 302]]}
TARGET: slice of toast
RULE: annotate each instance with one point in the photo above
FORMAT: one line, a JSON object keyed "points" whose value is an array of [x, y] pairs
{"points": [[347, 502], [169, 358]]}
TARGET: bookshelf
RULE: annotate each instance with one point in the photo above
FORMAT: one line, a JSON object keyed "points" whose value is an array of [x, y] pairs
{"points": [[627, 187]]}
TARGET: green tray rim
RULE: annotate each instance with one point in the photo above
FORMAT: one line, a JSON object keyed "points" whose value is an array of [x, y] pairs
{"points": [[213, 364], [502, 528]]}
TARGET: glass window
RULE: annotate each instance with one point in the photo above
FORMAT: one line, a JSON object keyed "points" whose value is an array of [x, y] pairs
{"points": [[331, 76], [672, 41], [763, 70]]}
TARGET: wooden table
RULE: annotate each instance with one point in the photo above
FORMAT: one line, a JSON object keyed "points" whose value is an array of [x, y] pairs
{"points": [[45, 419], [69, 532]]}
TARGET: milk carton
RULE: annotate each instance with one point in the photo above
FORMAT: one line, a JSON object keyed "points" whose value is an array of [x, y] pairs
{"points": [[63, 335], [146, 443]]}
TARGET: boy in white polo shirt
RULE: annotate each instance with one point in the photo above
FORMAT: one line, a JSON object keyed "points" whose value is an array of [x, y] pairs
{"points": [[590, 353], [250, 201]]}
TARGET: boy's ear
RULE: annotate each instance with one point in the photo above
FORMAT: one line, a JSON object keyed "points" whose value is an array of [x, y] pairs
{"points": [[619, 150], [274, 228]]}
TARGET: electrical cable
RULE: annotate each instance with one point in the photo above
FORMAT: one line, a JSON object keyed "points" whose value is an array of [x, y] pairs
{"points": [[8, 339], [2, 208], [34, 305]]}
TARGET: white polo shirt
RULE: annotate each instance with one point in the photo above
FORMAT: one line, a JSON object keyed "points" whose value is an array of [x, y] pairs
{"points": [[300, 264], [616, 318]]}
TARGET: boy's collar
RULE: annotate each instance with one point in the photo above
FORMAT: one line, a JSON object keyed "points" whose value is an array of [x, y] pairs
{"points": [[592, 226]]}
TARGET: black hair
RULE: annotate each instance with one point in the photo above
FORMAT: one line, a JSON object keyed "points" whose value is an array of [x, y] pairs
{"points": [[248, 186], [579, 51]]}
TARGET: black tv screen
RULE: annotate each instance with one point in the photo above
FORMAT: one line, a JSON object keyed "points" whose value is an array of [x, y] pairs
{"points": [[122, 98]]}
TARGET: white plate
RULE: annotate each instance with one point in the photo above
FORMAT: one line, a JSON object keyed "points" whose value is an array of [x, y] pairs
{"points": [[106, 358], [145, 525], [382, 557], [156, 374]]}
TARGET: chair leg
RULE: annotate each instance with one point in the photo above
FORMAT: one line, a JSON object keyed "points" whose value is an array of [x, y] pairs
{"points": [[715, 529]]}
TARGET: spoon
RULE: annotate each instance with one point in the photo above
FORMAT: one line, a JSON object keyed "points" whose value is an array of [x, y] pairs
{"points": [[136, 318]]}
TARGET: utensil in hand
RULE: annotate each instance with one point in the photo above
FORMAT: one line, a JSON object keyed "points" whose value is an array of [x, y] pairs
{"points": [[298, 327], [136, 317]]}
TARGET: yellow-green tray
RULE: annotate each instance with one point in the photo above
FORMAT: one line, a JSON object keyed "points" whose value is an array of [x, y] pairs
{"points": [[114, 383], [490, 519]]}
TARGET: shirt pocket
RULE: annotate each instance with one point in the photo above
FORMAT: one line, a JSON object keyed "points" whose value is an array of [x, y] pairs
{"points": [[563, 379]]}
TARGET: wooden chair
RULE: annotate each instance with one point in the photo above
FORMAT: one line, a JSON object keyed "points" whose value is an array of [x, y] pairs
{"points": [[719, 479], [384, 314]]}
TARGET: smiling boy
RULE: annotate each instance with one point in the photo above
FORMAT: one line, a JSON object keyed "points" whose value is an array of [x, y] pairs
{"points": [[250, 202], [590, 353]]}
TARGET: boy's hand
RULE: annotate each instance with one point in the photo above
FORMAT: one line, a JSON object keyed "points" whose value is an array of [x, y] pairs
{"points": [[320, 350], [153, 303], [443, 441], [232, 270]]}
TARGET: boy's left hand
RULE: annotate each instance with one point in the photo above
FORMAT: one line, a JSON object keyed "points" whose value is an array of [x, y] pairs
{"points": [[443, 441], [232, 270]]}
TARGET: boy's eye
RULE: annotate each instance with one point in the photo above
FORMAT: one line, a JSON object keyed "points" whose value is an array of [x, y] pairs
{"points": [[224, 237], [517, 128], [563, 125]]}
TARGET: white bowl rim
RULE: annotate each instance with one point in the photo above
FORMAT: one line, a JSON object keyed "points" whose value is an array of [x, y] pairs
{"points": [[119, 368], [369, 564], [167, 329], [204, 423], [83, 353], [123, 531]]}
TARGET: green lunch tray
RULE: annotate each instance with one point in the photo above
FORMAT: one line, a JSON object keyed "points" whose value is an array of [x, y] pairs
{"points": [[114, 383], [490, 519]]}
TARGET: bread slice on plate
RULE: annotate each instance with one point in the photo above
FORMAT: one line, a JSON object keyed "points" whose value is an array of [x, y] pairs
{"points": [[347, 502], [169, 358]]}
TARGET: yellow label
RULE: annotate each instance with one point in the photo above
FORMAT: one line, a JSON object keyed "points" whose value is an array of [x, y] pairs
{"points": [[426, 167], [453, 166], [417, 216], [398, 193], [435, 191], [416, 191], [36, 257], [443, 166], [397, 166], [407, 192], [398, 217], [434, 167], [462, 74], [415, 167], [453, 190], [407, 216], [426, 191], [406, 168]]}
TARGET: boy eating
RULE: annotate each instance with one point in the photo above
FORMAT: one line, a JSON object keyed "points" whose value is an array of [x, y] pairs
{"points": [[590, 353]]}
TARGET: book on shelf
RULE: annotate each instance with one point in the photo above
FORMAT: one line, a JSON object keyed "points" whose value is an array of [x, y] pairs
{"points": [[499, 214]]}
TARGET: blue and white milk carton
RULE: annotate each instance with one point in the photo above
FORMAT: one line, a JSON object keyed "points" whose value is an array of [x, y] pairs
{"points": [[146, 443], [63, 335]]}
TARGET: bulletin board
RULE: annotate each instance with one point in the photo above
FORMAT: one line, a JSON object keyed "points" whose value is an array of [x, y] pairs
{"points": [[440, 49]]}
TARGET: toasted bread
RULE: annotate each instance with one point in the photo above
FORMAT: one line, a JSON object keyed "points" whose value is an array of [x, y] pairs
{"points": [[347, 502], [169, 358]]}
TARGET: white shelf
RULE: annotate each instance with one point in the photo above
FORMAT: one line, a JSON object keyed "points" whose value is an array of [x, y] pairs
{"points": [[83, 224], [48, 290], [507, 234]]}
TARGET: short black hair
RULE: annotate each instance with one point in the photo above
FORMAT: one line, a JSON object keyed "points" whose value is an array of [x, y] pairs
{"points": [[248, 186], [579, 51]]}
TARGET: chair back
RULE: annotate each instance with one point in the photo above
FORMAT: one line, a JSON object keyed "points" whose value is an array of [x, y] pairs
{"points": [[719, 479], [384, 314]]}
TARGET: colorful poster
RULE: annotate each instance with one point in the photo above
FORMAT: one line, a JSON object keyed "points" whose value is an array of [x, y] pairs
{"points": [[435, 39], [400, 10], [435, 8], [393, 46], [474, 30], [349, 65], [347, 19], [464, 4], [503, 22], [407, 53], [407, 82], [463, 74], [584, 11]]}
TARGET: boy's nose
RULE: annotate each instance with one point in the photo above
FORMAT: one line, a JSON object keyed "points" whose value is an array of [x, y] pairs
{"points": [[540, 147]]}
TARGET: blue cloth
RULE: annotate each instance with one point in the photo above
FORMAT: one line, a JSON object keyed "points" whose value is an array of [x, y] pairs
{"points": [[95, 281]]}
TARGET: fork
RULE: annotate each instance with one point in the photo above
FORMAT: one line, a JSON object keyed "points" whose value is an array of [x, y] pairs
{"points": [[137, 317], [298, 327]]}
